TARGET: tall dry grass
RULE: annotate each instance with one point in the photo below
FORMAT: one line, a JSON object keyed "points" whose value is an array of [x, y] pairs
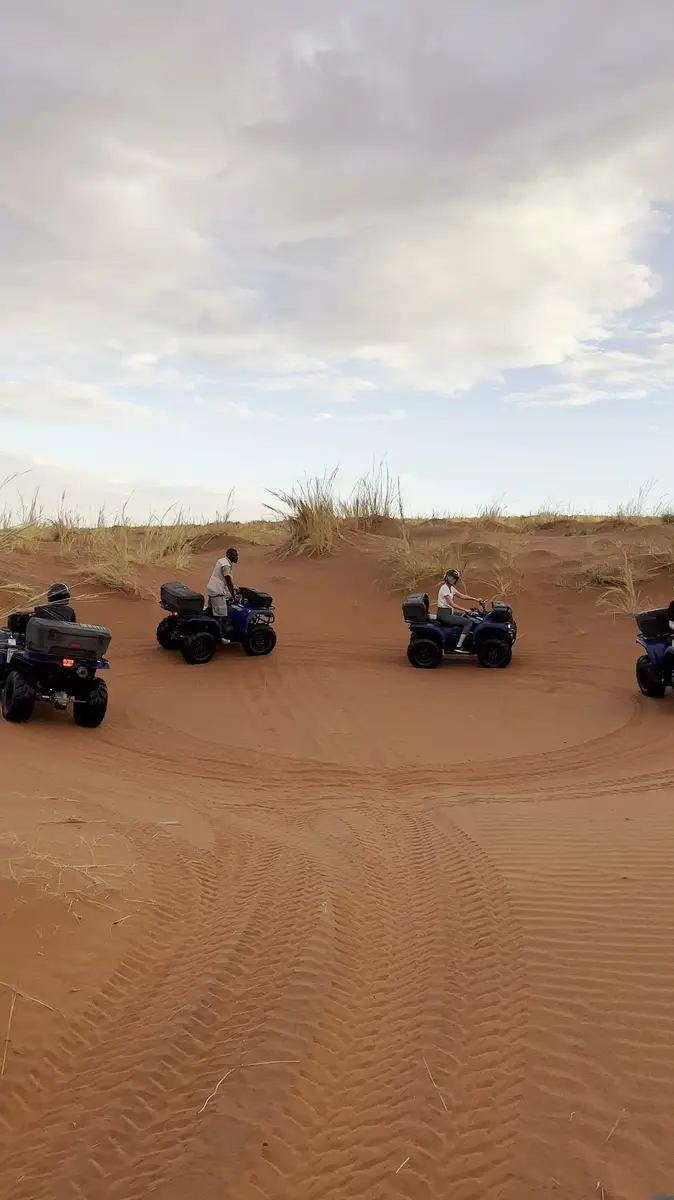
{"points": [[505, 579], [376, 496], [109, 553], [310, 516], [409, 566], [620, 575], [313, 518]]}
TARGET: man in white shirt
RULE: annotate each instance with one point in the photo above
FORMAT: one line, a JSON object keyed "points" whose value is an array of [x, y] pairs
{"points": [[220, 587], [450, 610]]}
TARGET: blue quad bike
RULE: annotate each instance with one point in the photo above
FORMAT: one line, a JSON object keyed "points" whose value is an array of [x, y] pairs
{"points": [[655, 667], [54, 662], [191, 627], [491, 638]]}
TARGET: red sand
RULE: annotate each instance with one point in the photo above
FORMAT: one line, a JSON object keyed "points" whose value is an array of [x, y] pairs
{"points": [[323, 927]]}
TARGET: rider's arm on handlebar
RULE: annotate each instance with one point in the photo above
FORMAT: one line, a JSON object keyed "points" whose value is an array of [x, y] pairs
{"points": [[471, 599]]}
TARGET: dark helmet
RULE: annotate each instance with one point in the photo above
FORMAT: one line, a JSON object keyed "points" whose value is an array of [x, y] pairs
{"points": [[452, 576], [58, 593], [232, 555]]}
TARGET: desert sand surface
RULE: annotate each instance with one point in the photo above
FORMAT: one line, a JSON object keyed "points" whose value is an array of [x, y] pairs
{"points": [[324, 927]]}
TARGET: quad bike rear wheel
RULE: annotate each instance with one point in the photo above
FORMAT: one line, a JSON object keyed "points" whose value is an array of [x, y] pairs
{"points": [[198, 648], [166, 633], [424, 653], [494, 652], [648, 685], [89, 713], [260, 641], [18, 698]]}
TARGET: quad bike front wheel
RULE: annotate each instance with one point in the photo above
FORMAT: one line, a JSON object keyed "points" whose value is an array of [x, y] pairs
{"points": [[89, 713], [18, 698], [647, 684], [166, 633], [424, 653], [198, 648], [260, 641], [494, 652]]}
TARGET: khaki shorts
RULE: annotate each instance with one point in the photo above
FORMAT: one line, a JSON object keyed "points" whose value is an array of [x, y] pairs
{"points": [[219, 605]]}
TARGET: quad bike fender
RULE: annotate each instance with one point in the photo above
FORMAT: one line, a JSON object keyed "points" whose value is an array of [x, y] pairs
{"points": [[200, 624], [484, 630], [430, 631], [656, 651]]}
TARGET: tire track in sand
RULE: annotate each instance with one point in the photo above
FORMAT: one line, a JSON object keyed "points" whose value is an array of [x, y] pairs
{"points": [[376, 951], [411, 1068], [109, 1115]]}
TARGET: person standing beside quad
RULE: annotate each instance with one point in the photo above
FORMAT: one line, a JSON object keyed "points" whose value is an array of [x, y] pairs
{"points": [[220, 587], [450, 612]]}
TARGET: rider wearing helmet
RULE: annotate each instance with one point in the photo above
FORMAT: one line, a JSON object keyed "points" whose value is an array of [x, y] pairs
{"points": [[220, 586], [449, 610], [57, 607]]}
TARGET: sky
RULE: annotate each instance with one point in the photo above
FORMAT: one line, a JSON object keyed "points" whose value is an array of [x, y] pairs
{"points": [[245, 243]]}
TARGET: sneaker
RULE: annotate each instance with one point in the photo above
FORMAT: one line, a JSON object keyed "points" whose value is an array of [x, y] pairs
{"points": [[461, 650]]}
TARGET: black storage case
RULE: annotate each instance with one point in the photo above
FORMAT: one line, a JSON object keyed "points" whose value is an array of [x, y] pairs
{"points": [[654, 623], [181, 599], [255, 598], [63, 639], [415, 607], [501, 612]]}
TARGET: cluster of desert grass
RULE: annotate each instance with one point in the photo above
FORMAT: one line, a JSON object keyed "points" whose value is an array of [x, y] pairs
{"points": [[106, 553], [623, 573], [314, 519]]}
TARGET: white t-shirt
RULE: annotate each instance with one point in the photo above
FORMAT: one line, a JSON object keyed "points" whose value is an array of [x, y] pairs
{"points": [[216, 584], [446, 596]]}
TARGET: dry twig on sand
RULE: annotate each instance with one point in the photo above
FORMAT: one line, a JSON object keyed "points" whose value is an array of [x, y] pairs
{"points": [[616, 1123], [9, 1026], [442, 1098], [25, 996], [272, 1062]]}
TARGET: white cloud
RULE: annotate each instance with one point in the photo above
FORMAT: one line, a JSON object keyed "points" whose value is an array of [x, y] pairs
{"points": [[363, 418], [319, 384], [641, 367], [48, 397], [443, 192]]}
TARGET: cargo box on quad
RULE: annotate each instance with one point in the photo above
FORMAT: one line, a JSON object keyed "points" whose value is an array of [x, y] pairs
{"points": [[255, 599], [654, 623], [416, 607], [65, 639], [179, 598]]}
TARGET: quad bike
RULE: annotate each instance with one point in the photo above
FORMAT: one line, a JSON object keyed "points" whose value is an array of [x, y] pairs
{"points": [[655, 667], [54, 662], [490, 639], [192, 628]]}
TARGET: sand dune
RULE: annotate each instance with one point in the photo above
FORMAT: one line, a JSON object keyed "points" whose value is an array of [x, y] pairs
{"points": [[323, 927]]}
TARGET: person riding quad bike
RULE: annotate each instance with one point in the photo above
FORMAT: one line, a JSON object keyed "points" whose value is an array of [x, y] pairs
{"points": [[57, 607], [220, 588], [449, 610]]}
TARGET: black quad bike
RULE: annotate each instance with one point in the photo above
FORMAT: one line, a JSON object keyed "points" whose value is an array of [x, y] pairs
{"points": [[55, 662], [192, 628], [491, 637]]}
